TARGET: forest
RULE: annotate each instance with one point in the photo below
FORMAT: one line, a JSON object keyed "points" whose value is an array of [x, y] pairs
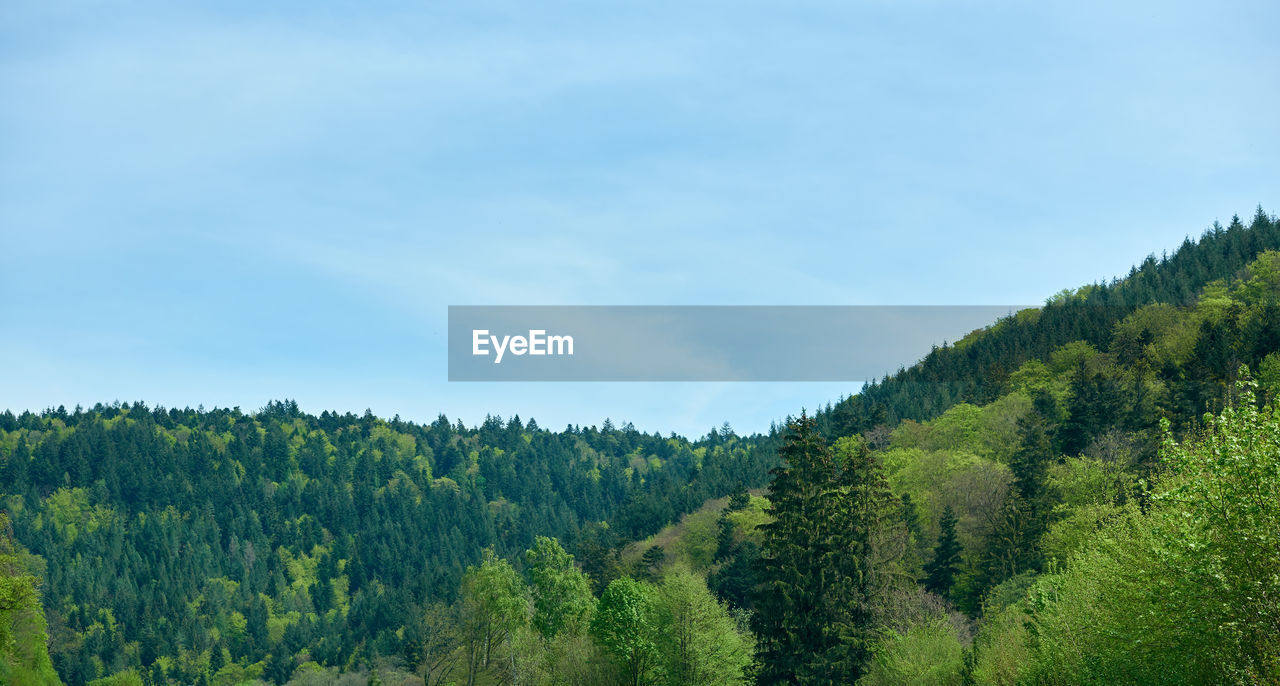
{"points": [[1084, 492]]}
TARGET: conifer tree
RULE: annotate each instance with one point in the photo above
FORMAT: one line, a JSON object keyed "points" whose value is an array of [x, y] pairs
{"points": [[789, 597], [650, 566], [821, 571], [940, 573]]}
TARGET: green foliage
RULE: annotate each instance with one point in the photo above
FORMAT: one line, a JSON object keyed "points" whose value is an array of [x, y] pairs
{"points": [[24, 658], [697, 544], [125, 678], [1269, 374], [1077, 481], [1075, 528], [699, 643], [926, 654], [649, 568], [747, 520], [973, 487], [940, 573], [170, 533], [977, 371], [562, 600], [1188, 591], [1000, 652], [495, 603], [828, 555], [625, 627]]}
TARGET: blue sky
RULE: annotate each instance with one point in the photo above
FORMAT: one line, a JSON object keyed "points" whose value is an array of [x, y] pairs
{"points": [[226, 204]]}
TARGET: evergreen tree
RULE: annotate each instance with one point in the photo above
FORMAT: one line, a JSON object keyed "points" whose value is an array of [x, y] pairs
{"points": [[789, 599], [650, 566], [735, 580], [1009, 549], [940, 572], [820, 571], [216, 658], [724, 537]]}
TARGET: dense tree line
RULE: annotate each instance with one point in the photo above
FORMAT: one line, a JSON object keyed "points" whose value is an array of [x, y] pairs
{"points": [[1090, 523], [177, 541], [976, 368]]}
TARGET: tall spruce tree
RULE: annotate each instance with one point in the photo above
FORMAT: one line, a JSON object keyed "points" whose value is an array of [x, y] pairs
{"points": [[940, 573], [820, 572], [789, 599], [868, 540]]}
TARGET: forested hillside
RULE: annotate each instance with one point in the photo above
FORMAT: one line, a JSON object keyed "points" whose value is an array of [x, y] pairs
{"points": [[977, 368], [1106, 510], [1088, 492], [190, 539]]}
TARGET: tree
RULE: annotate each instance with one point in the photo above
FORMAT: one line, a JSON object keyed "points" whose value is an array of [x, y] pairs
{"points": [[24, 655], [825, 561], [870, 539], [650, 566], [725, 541], [735, 580], [1012, 545], [562, 600], [699, 642], [434, 639], [940, 572], [624, 627], [789, 599], [1008, 548], [216, 658], [1185, 589], [494, 604], [600, 562], [280, 667]]}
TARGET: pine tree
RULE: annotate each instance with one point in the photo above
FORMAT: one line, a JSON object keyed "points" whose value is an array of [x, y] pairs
{"points": [[823, 564], [724, 537], [868, 540], [650, 566], [1010, 549], [216, 659], [789, 597], [940, 573]]}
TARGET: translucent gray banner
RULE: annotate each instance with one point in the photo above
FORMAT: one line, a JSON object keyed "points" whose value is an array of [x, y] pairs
{"points": [[700, 343]]}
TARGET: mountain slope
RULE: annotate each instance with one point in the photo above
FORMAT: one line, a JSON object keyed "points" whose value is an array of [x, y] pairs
{"points": [[178, 534], [976, 368]]}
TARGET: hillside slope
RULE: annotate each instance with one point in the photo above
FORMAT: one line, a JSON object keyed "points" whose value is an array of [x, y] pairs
{"points": [[975, 369], [193, 538]]}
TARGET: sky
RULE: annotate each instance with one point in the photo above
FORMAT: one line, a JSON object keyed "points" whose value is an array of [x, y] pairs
{"points": [[225, 204]]}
